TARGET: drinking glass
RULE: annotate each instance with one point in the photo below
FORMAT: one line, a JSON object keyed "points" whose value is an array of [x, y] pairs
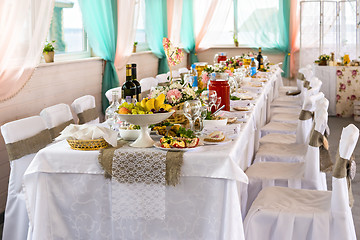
{"points": [[233, 84], [192, 111], [203, 113], [218, 102], [188, 80], [208, 97]]}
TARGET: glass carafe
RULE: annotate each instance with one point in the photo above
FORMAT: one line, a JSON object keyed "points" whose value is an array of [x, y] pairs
{"points": [[111, 115]]}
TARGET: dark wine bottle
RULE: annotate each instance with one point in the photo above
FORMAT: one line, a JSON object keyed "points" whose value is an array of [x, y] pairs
{"points": [[134, 79], [260, 60], [128, 89]]}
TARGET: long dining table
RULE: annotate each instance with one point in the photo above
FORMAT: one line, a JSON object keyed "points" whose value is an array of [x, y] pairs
{"points": [[68, 197]]}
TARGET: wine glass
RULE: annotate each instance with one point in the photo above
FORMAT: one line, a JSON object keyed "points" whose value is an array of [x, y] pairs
{"points": [[218, 102], [233, 84], [212, 99], [192, 111], [208, 97], [188, 80], [203, 114]]}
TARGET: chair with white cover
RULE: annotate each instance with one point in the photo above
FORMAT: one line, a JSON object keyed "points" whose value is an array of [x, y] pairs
{"points": [[85, 109], [283, 126], [304, 124], [183, 70], [286, 213], [304, 175], [162, 78], [108, 93], [57, 118], [279, 152], [23, 139], [147, 84]]}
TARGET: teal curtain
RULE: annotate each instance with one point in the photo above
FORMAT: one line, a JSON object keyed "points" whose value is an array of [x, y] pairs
{"points": [[100, 22], [284, 44], [156, 30], [264, 24], [187, 33]]}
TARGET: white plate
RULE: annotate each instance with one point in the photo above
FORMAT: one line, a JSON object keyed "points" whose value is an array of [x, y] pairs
{"points": [[226, 140], [158, 145]]}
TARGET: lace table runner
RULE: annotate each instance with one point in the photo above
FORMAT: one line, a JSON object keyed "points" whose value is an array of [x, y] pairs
{"points": [[138, 183]]}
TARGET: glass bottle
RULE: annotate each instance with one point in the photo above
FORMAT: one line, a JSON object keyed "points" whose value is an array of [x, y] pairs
{"points": [[134, 80], [260, 60], [129, 88], [111, 115]]}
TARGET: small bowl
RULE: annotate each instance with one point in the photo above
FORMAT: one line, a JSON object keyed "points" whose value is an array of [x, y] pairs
{"points": [[215, 123], [129, 135]]}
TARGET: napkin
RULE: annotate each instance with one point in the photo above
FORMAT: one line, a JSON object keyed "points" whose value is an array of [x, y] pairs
{"points": [[88, 132]]}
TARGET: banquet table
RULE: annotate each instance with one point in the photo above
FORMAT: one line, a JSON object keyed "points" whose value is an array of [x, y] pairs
{"points": [[341, 86], [68, 197]]}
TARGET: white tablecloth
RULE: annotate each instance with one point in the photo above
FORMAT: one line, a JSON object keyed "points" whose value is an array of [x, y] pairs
{"points": [[327, 75], [68, 197]]}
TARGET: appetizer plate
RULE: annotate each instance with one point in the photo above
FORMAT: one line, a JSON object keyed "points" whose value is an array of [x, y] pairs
{"points": [[158, 145], [226, 140]]}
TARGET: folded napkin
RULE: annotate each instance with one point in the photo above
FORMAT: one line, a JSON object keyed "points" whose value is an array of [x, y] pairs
{"points": [[88, 132]]}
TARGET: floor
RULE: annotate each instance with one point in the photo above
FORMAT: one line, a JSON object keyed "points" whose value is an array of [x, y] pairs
{"points": [[336, 125]]}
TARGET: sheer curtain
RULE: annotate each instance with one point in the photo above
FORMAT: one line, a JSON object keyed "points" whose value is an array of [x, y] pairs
{"points": [[156, 30], [100, 22], [327, 26], [174, 13], [127, 11], [23, 25]]}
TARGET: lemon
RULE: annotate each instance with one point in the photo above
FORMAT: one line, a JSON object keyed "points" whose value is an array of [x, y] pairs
{"points": [[166, 107], [143, 103]]}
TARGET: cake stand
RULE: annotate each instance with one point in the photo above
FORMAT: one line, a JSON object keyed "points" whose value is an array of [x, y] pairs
{"points": [[144, 120]]}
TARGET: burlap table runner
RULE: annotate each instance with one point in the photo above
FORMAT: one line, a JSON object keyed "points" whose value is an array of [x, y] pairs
{"points": [[174, 161], [345, 168]]}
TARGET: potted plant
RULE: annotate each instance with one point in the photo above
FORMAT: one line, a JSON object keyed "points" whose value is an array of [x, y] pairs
{"points": [[236, 42], [323, 60], [134, 47], [48, 52]]}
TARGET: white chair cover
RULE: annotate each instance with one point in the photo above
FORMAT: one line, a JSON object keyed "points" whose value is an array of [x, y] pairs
{"points": [[84, 103], [285, 213], [148, 83], [16, 217], [108, 93], [56, 115], [162, 78], [175, 74], [183, 70], [278, 152]]}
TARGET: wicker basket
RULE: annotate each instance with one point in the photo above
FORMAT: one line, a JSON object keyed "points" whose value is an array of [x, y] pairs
{"points": [[178, 117], [87, 145]]}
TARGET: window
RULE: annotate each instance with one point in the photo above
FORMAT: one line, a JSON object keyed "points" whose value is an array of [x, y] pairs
{"points": [[256, 23], [67, 30], [328, 26], [140, 35]]}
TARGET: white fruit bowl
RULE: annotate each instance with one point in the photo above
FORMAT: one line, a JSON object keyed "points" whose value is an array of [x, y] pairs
{"points": [[144, 120]]}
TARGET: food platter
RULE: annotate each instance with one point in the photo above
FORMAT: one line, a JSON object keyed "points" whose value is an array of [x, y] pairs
{"points": [[158, 146]]}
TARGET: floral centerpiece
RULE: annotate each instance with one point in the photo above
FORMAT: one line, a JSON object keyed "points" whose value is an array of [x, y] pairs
{"points": [[175, 95], [173, 54], [233, 63], [323, 60]]}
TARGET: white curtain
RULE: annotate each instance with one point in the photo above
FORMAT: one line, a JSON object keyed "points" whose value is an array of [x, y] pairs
{"points": [[128, 12], [213, 22], [333, 30], [174, 14], [24, 25]]}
